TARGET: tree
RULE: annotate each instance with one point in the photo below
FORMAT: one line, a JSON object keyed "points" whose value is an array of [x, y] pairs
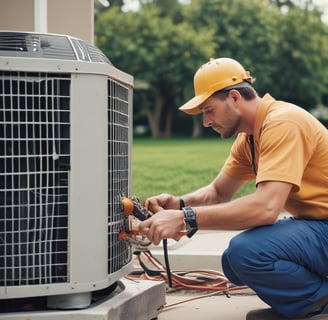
{"points": [[248, 37], [158, 52], [300, 74], [282, 43], [284, 50]]}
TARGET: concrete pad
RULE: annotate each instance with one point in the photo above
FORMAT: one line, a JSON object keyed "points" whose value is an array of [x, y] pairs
{"points": [[210, 308]]}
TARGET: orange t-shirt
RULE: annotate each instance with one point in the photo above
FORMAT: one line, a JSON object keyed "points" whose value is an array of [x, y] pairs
{"points": [[290, 146]]}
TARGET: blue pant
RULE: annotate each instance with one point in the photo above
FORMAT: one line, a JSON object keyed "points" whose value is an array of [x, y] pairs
{"points": [[286, 264]]}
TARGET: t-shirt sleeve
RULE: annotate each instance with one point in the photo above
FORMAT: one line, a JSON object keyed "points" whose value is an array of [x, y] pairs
{"points": [[239, 163], [284, 153]]}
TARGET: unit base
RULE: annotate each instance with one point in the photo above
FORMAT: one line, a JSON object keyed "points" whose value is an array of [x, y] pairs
{"points": [[132, 300]]}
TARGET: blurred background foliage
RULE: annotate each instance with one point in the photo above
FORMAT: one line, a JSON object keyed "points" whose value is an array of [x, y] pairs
{"points": [[283, 43]]}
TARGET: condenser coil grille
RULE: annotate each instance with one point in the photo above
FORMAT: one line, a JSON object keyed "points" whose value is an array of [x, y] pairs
{"points": [[119, 252], [34, 177]]}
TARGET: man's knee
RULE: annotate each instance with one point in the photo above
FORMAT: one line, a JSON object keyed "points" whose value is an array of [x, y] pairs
{"points": [[228, 270], [244, 253]]}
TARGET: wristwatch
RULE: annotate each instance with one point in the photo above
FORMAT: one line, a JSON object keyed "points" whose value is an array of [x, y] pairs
{"points": [[190, 221]]}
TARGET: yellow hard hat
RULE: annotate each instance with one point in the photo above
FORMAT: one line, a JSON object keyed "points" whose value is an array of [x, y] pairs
{"points": [[215, 75]]}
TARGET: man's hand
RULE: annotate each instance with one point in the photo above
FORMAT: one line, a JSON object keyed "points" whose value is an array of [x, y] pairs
{"points": [[162, 201], [165, 224]]}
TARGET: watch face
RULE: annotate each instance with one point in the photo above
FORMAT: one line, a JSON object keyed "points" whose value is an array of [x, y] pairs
{"points": [[188, 227], [190, 220]]}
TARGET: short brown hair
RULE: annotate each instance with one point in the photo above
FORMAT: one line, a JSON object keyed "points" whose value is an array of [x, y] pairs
{"points": [[247, 93]]}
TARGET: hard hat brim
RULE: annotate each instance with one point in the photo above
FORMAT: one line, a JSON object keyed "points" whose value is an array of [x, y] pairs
{"points": [[192, 106]]}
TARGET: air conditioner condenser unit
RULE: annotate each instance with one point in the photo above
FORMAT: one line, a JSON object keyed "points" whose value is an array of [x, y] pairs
{"points": [[65, 153]]}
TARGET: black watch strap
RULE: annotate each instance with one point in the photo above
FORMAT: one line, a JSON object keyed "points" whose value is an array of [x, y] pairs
{"points": [[190, 220], [181, 203]]}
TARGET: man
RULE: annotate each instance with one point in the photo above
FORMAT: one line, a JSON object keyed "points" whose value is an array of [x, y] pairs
{"points": [[285, 149]]}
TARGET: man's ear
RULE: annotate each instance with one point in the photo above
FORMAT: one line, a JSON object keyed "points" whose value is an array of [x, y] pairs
{"points": [[235, 95]]}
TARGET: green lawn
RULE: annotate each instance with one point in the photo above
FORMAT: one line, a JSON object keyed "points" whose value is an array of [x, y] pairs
{"points": [[177, 166]]}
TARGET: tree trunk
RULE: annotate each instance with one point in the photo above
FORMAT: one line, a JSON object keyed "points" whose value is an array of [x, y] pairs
{"points": [[154, 117], [197, 130], [160, 119], [154, 129], [168, 123]]}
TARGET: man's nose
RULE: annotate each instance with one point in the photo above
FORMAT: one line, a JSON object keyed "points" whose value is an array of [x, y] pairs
{"points": [[206, 121]]}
